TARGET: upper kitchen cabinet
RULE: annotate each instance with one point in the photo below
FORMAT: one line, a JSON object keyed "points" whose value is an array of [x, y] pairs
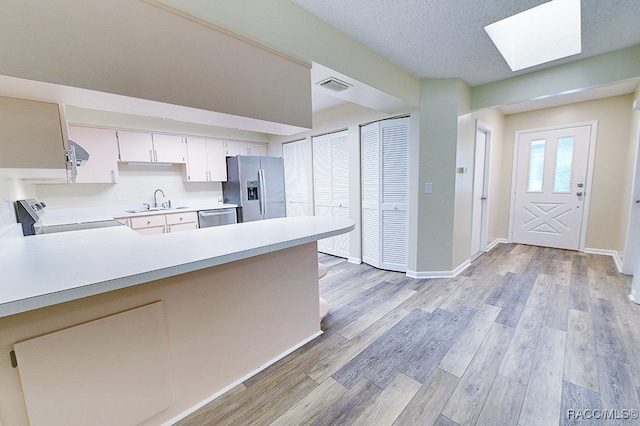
{"points": [[142, 147], [32, 141], [206, 160], [169, 148], [233, 148], [102, 146], [135, 146]]}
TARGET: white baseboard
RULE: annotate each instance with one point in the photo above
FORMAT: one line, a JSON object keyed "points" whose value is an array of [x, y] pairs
{"points": [[496, 242], [237, 382], [439, 274], [614, 254], [355, 260]]}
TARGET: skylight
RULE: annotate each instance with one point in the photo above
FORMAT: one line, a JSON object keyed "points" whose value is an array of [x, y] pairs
{"points": [[545, 33]]}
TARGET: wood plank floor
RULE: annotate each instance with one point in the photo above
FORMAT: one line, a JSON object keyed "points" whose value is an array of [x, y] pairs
{"points": [[524, 336]]}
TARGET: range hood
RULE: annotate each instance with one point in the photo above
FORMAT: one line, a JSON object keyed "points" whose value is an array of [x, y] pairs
{"points": [[77, 154]]}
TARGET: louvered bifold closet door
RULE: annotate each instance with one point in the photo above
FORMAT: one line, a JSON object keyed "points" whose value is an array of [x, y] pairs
{"points": [[370, 170], [322, 184], [385, 188], [340, 188], [331, 186], [394, 189], [294, 155]]}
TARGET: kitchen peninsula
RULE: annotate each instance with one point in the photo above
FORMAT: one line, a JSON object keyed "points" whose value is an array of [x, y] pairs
{"points": [[131, 329]]}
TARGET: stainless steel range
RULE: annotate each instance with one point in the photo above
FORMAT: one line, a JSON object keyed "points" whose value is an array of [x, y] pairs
{"points": [[31, 211]]}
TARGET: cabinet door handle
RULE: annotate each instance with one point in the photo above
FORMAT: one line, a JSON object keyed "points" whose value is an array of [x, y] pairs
{"points": [[151, 155], [155, 155]]}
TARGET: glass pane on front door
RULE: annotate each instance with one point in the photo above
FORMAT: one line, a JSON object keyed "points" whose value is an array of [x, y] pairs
{"points": [[564, 159], [536, 166]]}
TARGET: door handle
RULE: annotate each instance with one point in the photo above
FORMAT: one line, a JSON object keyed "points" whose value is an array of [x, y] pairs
{"points": [[483, 198], [579, 194]]}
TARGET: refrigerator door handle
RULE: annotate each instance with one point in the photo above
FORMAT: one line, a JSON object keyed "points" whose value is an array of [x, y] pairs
{"points": [[263, 192]]}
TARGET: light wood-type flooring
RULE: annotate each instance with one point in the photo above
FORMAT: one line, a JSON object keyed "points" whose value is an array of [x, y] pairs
{"points": [[524, 336]]}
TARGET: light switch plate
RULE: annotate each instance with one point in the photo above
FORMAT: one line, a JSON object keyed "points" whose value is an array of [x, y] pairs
{"points": [[428, 188], [122, 196]]}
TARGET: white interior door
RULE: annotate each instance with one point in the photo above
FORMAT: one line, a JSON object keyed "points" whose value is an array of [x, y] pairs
{"points": [[550, 187], [480, 189], [394, 191], [385, 176], [294, 155], [331, 186], [370, 193]]}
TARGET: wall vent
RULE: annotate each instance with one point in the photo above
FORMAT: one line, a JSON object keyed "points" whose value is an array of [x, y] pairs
{"points": [[334, 84]]}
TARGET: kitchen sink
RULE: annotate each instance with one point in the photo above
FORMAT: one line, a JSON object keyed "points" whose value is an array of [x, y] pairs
{"points": [[156, 209]]}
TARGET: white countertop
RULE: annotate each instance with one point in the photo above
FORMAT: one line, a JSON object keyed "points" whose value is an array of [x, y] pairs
{"points": [[63, 216], [44, 270]]}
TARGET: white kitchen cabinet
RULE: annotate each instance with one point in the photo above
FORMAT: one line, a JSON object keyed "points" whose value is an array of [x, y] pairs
{"points": [[254, 148], [206, 161], [149, 225], [135, 146], [142, 147], [164, 223], [184, 221], [385, 189], [169, 148], [331, 186], [233, 148], [102, 146], [33, 141]]}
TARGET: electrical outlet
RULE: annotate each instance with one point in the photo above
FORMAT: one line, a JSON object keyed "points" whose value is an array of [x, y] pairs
{"points": [[122, 196], [428, 188]]}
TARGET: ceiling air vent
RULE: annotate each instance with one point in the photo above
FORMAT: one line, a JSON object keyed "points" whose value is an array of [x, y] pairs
{"points": [[334, 84]]}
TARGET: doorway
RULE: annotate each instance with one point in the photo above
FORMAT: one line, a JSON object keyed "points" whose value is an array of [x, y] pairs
{"points": [[479, 218], [552, 176]]}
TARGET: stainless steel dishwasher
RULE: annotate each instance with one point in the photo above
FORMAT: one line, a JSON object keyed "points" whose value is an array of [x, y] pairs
{"points": [[216, 217]]}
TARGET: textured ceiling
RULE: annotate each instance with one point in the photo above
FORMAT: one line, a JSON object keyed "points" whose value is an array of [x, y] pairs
{"points": [[446, 38]]}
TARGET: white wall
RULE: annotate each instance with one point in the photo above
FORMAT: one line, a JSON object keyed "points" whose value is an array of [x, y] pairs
{"points": [[137, 182]]}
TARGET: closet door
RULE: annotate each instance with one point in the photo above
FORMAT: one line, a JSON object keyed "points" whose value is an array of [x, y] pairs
{"points": [[331, 186], [340, 188], [370, 165], [295, 159], [385, 178], [394, 135]]}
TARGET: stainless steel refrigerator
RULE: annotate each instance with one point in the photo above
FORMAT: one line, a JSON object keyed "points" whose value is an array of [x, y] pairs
{"points": [[256, 185]]}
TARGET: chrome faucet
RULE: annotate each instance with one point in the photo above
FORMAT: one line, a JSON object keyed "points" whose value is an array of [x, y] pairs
{"points": [[155, 200]]}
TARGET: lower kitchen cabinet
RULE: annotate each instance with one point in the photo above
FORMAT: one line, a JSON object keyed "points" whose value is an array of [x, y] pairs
{"points": [[164, 223], [177, 222]]}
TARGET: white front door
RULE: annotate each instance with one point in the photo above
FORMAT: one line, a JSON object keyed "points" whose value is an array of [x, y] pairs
{"points": [[550, 187]]}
